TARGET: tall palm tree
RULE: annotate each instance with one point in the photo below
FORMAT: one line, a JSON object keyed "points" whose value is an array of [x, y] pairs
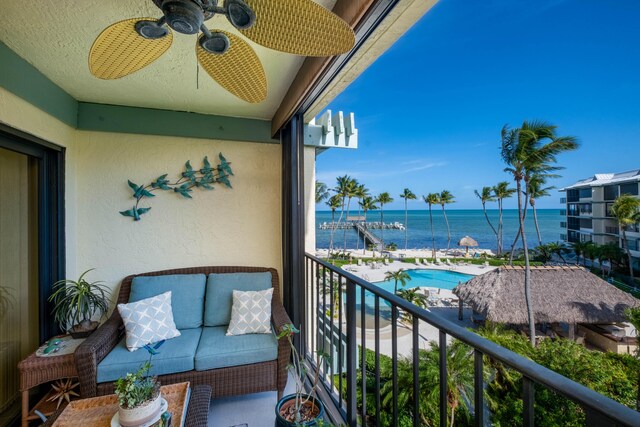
{"points": [[626, 210], [406, 195], [334, 203], [383, 199], [350, 192], [501, 191], [537, 189], [322, 192], [414, 297], [486, 196], [360, 193], [527, 150], [578, 249], [367, 203], [432, 199], [397, 276], [446, 198]]}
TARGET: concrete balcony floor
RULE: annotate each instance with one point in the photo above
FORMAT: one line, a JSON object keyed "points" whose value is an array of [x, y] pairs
{"points": [[251, 410]]}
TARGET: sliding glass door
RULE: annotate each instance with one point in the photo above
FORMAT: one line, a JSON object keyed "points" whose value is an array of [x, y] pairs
{"points": [[31, 253], [19, 323]]}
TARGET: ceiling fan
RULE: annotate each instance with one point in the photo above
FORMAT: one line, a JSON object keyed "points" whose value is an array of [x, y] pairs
{"points": [[301, 27]]}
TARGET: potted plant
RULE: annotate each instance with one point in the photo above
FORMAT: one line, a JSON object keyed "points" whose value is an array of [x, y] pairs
{"points": [[300, 408], [139, 398], [76, 302]]}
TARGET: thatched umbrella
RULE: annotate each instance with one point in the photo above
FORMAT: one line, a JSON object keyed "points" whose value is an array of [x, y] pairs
{"points": [[467, 241], [559, 294]]}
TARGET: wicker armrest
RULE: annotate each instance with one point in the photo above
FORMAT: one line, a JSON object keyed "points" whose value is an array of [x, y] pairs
{"points": [[93, 350]]}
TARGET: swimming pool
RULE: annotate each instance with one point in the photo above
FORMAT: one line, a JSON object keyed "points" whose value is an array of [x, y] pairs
{"points": [[443, 279]]}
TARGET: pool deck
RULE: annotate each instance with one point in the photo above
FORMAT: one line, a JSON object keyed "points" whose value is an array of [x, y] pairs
{"points": [[427, 332]]}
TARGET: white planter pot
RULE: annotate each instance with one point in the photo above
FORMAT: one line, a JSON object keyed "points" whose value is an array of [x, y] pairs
{"points": [[140, 415]]}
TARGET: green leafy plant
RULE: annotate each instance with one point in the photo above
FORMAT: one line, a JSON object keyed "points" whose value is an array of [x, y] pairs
{"points": [[77, 301], [301, 412], [138, 388], [189, 179]]}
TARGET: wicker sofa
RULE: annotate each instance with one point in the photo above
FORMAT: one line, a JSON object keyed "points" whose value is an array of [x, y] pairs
{"points": [[268, 375]]}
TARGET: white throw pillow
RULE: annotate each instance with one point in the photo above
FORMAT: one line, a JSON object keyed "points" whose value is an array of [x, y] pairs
{"points": [[251, 312], [149, 320]]}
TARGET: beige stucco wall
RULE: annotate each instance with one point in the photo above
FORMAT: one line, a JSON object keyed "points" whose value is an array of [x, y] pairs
{"points": [[239, 226]]}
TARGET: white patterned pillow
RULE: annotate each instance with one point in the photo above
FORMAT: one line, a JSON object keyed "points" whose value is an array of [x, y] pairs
{"points": [[251, 312], [149, 320]]}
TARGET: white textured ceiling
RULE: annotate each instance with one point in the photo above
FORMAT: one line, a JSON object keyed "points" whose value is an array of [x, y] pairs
{"points": [[55, 36]]}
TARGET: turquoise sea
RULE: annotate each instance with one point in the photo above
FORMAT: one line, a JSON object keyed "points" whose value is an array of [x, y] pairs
{"points": [[463, 222]]}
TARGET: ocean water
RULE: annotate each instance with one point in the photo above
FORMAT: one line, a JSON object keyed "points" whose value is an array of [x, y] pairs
{"points": [[463, 222]]}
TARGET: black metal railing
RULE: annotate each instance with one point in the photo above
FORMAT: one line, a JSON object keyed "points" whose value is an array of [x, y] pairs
{"points": [[336, 301]]}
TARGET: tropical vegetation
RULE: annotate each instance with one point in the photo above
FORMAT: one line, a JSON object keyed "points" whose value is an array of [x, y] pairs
{"points": [[432, 199], [406, 195]]}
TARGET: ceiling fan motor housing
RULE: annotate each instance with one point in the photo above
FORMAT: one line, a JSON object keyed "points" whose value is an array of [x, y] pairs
{"points": [[184, 16]]}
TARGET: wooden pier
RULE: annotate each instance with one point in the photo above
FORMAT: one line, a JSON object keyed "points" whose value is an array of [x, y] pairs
{"points": [[368, 236]]}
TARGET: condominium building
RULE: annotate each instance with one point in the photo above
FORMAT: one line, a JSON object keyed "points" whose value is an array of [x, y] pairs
{"points": [[588, 209]]}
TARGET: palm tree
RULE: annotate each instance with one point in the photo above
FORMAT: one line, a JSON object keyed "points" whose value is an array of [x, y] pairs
{"points": [[501, 191], [527, 150], [350, 192], [459, 384], [344, 185], [432, 199], [360, 193], [537, 190], [335, 202], [414, 297], [589, 250], [558, 249], [578, 249], [406, 195], [383, 199], [446, 198], [486, 196], [626, 210], [397, 276], [322, 192], [367, 203]]}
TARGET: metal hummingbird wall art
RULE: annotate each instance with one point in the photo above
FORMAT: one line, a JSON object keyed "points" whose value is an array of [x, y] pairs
{"points": [[191, 178]]}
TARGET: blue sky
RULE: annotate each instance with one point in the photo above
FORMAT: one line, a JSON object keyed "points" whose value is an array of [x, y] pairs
{"points": [[429, 111]]}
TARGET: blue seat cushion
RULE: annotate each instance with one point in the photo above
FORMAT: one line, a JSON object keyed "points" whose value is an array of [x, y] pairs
{"points": [[175, 355], [187, 295], [217, 350], [219, 297]]}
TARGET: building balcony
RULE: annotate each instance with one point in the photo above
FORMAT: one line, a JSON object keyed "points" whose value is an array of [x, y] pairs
{"points": [[563, 200]]}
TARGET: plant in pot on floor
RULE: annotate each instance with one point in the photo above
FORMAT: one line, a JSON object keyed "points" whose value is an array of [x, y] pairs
{"points": [[139, 397], [301, 408], [76, 302]]}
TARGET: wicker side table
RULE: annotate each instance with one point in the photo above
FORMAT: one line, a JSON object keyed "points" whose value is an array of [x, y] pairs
{"points": [[36, 370]]}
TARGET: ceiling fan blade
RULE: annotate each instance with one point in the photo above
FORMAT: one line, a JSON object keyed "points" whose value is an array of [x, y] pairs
{"points": [[302, 27], [238, 70], [119, 50]]}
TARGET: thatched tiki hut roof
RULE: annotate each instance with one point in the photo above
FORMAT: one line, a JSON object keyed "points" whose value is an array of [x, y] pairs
{"points": [[559, 294], [467, 241]]}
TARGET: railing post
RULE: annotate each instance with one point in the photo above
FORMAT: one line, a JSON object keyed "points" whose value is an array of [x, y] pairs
{"points": [[478, 388], [443, 379], [352, 349], [528, 400]]}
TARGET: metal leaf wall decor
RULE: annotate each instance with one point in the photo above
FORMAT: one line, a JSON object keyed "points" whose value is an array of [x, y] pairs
{"points": [[190, 178]]}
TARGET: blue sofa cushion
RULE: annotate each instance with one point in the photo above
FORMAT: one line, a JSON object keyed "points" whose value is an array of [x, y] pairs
{"points": [[217, 350], [187, 295], [219, 297], [175, 355]]}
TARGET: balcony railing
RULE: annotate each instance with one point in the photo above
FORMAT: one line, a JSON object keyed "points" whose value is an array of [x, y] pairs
{"points": [[563, 212], [612, 230], [333, 298], [563, 224], [563, 200]]}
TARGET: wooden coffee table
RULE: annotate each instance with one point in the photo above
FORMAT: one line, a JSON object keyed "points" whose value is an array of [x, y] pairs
{"points": [[98, 411]]}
